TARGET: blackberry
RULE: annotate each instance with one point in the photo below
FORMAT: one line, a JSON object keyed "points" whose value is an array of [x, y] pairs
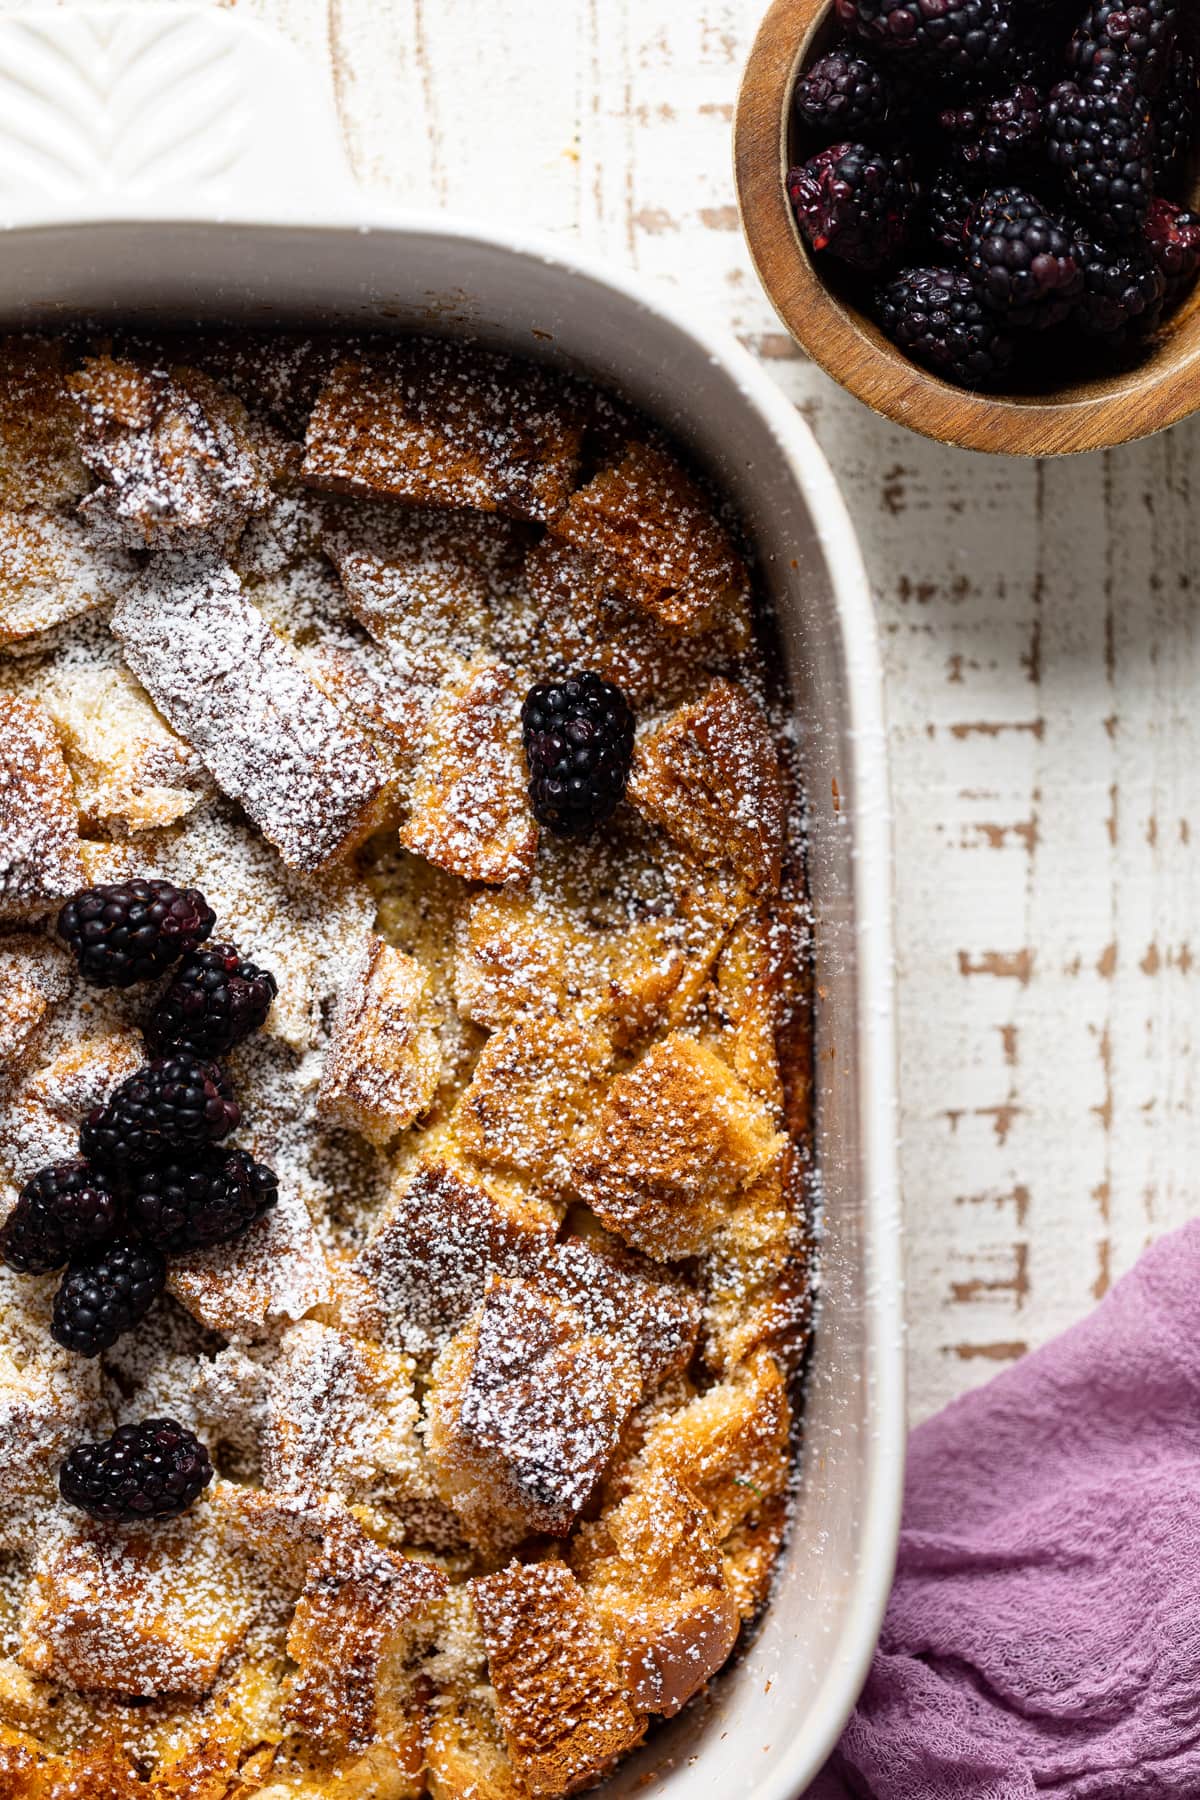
{"points": [[841, 93], [989, 138], [949, 205], [1116, 38], [132, 930], [61, 1211], [1172, 237], [578, 736], [968, 42], [935, 316], [1100, 138], [178, 1102], [1122, 295], [856, 203], [1022, 260], [1176, 118], [213, 1002], [154, 1470], [186, 1205], [104, 1296]]}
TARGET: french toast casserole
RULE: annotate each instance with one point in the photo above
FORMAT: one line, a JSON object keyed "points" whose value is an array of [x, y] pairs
{"points": [[404, 1074]]}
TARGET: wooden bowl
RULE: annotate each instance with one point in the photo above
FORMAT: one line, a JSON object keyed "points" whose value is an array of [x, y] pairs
{"points": [[1091, 414]]}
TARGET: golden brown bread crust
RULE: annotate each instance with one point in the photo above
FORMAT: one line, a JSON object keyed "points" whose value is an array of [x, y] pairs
{"points": [[435, 424], [525, 1409], [677, 1136], [657, 536], [384, 1060], [652, 1569], [173, 454], [710, 777], [40, 862], [467, 811], [556, 1675], [359, 1605]]}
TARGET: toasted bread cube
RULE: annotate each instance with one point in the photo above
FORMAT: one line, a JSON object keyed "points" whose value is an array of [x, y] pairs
{"points": [[749, 991], [750, 1555], [757, 1290], [340, 1415], [468, 810], [173, 454], [39, 1122], [273, 741], [533, 1085], [281, 1530], [440, 424], [556, 1676], [276, 1271], [466, 1754], [658, 536], [676, 1137], [710, 777], [34, 978], [514, 954], [39, 826], [573, 617], [425, 582], [524, 1411], [45, 1410], [446, 1234], [619, 1296], [729, 1446], [351, 1635], [143, 1614], [365, 684], [654, 1574], [385, 1059], [40, 464], [51, 570], [131, 772]]}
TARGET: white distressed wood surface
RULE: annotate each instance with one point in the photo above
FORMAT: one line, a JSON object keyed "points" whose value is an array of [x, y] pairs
{"points": [[1038, 624]]}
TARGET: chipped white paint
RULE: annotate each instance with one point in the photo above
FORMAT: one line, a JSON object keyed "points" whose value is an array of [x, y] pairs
{"points": [[1040, 641]]}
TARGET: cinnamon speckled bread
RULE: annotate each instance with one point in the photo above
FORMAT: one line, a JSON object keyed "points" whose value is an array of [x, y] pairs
{"points": [[476, 1339]]}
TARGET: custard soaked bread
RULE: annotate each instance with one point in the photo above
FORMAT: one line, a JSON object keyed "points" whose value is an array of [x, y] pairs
{"points": [[403, 1075]]}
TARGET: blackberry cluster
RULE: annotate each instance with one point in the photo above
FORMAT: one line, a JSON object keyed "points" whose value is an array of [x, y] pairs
{"points": [[133, 930], [187, 1205], [176, 1103], [103, 1296], [842, 93], [936, 316], [1039, 150], [213, 1002], [855, 202], [63, 1211], [578, 736], [154, 1470], [1025, 263], [151, 1181], [966, 42]]}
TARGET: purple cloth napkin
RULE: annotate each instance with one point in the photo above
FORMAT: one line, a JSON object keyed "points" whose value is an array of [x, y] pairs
{"points": [[1043, 1634]]}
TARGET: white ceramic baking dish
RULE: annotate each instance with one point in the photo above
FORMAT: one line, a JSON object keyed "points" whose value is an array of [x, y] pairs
{"points": [[185, 164]]}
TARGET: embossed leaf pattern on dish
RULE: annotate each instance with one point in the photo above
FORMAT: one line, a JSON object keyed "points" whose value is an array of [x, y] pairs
{"points": [[139, 104]]}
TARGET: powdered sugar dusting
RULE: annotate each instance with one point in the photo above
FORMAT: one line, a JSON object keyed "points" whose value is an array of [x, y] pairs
{"points": [[300, 692], [226, 683]]}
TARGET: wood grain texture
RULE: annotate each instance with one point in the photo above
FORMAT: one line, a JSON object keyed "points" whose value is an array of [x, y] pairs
{"points": [[1096, 414], [1041, 644]]}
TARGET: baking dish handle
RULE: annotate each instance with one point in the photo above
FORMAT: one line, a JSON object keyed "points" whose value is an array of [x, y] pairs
{"points": [[162, 111]]}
